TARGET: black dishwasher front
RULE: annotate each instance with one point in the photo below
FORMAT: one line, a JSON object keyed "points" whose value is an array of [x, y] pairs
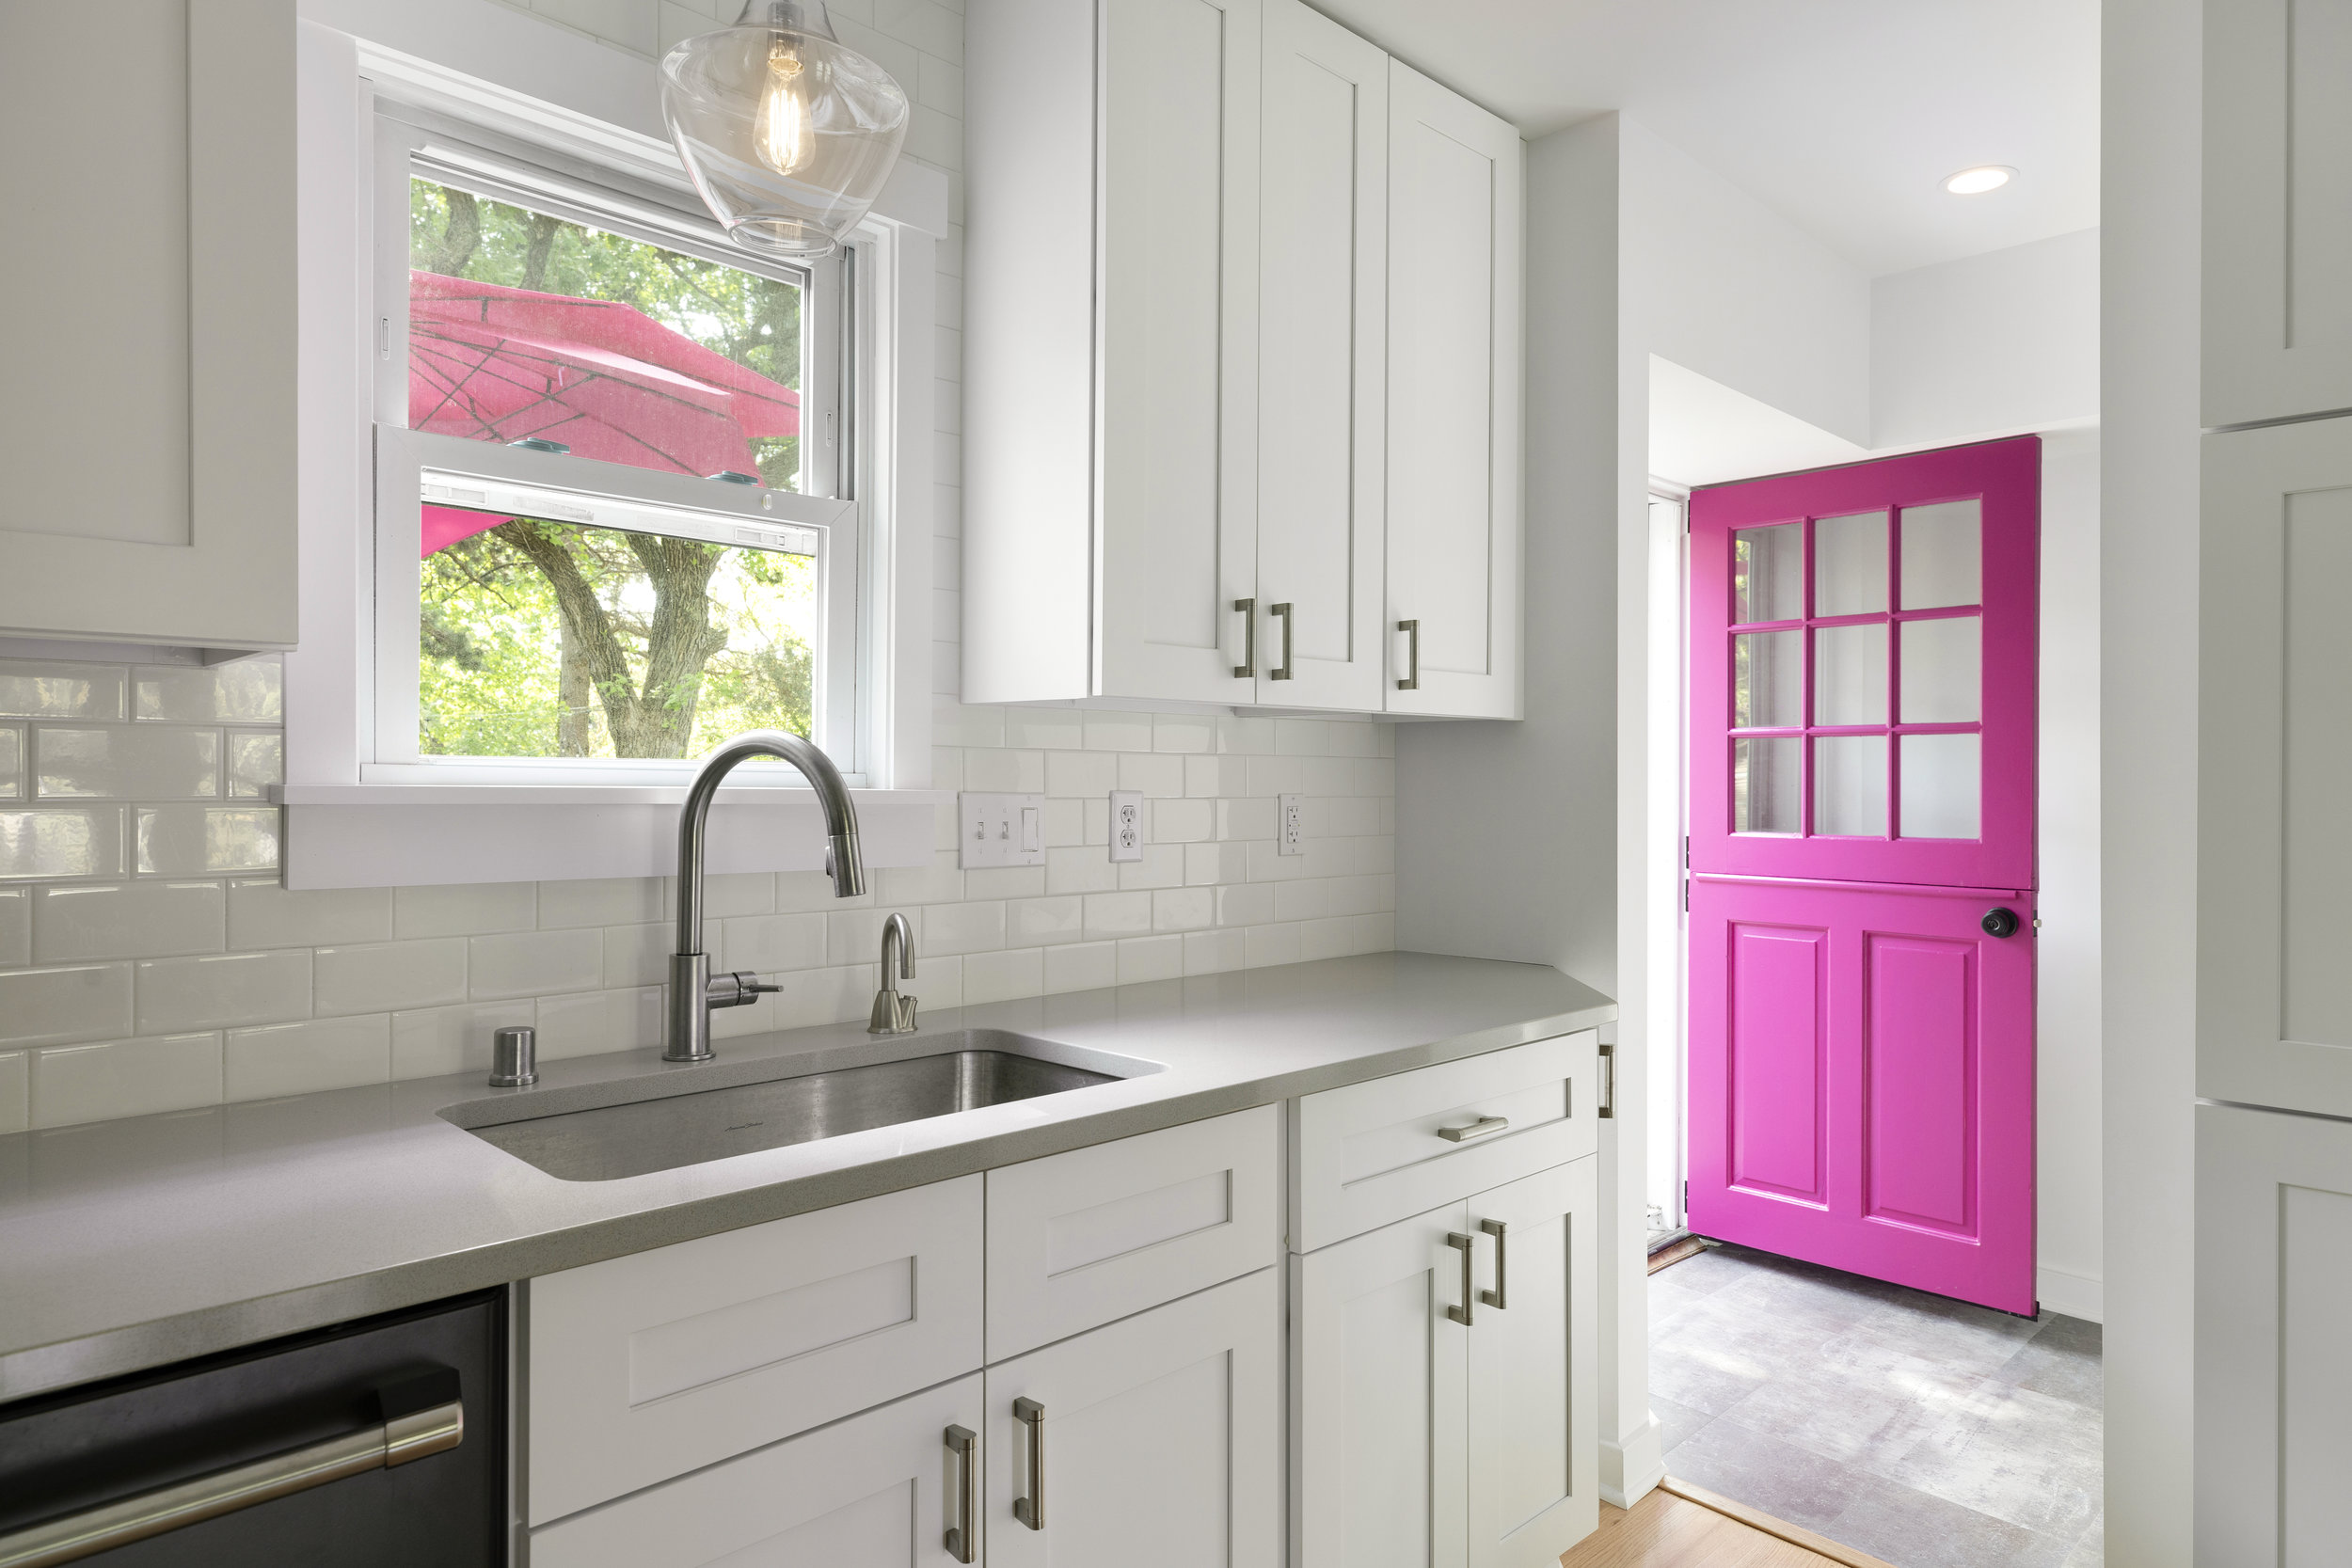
{"points": [[376, 1444]]}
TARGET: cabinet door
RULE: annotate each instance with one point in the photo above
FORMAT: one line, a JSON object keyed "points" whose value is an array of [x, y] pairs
{"points": [[1378, 1373], [2274, 1364], [2274, 879], [148, 423], [878, 1490], [2278, 251], [1156, 1444], [1535, 1415], [1178, 282], [1453, 426], [1322, 296]]}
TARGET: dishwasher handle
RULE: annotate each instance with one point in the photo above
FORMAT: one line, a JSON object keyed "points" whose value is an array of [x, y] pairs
{"points": [[421, 1416]]}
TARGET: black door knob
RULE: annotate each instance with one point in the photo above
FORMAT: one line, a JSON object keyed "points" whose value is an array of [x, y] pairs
{"points": [[2000, 922]]}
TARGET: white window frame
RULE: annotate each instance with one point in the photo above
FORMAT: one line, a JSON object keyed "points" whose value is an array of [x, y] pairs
{"points": [[358, 816]]}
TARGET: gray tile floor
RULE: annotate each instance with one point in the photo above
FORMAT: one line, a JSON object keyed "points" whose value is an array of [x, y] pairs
{"points": [[1927, 1432]]}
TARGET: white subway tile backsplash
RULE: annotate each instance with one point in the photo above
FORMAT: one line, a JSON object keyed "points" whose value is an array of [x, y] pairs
{"points": [[763, 944], [1142, 958], [1081, 966], [1005, 882], [257, 760], [62, 840], [1271, 944], [746, 893], [1119, 731], [1240, 904], [1013, 772], [1162, 865], [304, 1058], [1210, 776], [192, 841], [75, 1084], [16, 1091], [249, 691], [967, 927], [39, 691], [1080, 868], [263, 914], [390, 976], [639, 955], [1184, 731], [1207, 864], [533, 963], [432, 1042], [812, 996], [1045, 728], [1002, 975], [128, 920], [1041, 922], [1215, 952], [938, 982], [1183, 821], [939, 882], [82, 762], [223, 988], [1117, 914], [13, 785], [605, 901], [1182, 908], [599, 1020], [16, 926], [1158, 774], [474, 909], [1081, 774], [1302, 738], [54, 1006]]}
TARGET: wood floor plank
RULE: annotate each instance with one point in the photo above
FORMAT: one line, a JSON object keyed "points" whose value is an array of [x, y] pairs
{"points": [[1663, 1531]]}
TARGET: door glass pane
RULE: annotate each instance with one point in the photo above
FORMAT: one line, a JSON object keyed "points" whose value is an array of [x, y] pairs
{"points": [[1850, 784], [1849, 674], [1850, 564], [1767, 680], [1764, 785], [1943, 674], [1767, 573], [1941, 785], [1942, 555]]}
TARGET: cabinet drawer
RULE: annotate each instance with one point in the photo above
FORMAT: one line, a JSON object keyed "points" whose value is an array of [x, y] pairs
{"points": [[1079, 1239], [1374, 1152], [647, 1367], [881, 1487]]}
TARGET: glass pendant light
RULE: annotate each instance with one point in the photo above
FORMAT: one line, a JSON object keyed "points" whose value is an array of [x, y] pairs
{"points": [[787, 134]]}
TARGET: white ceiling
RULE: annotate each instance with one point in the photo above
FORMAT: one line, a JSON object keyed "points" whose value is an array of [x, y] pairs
{"points": [[1842, 115]]}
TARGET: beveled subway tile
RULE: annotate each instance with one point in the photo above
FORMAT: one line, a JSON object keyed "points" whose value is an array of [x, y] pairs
{"points": [[223, 988], [1081, 966], [78, 1084], [1145, 958], [128, 920], [386, 977], [50, 1006], [191, 841], [433, 1042], [257, 760], [16, 926], [62, 840], [967, 927], [533, 963], [16, 1091], [35, 689], [247, 691], [1215, 952], [473, 909], [123, 761], [1003, 975], [261, 913], [1041, 922], [595, 1022], [12, 785], [603, 901], [308, 1058]]}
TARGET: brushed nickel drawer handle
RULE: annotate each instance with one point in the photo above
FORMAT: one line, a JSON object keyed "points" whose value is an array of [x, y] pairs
{"points": [[1030, 1510], [395, 1440], [1496, 1298], [1284, 672], [1479, 1128], [1411, 680], [962, 1442], [1461, 1314], [1248, 667]]}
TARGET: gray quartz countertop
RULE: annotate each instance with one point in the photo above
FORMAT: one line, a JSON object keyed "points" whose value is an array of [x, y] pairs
{"points": [[129, 1245]]}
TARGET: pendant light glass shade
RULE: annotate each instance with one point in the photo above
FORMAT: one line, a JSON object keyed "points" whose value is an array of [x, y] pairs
{"points": [[787, 134]]}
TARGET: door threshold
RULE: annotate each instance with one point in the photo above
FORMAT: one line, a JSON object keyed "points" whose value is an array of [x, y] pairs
{"points": [[1756, 1519]]}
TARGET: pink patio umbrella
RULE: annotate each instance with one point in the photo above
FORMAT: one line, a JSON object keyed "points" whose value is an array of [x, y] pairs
{"points": [[497, 364]]}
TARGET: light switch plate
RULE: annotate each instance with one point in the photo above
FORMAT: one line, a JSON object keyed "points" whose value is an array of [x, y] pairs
{"points": [[999, 830], [1127, 836], [1290, 835]]}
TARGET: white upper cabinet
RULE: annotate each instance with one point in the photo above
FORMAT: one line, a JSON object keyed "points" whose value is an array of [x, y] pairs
{"points": [[1454, 202], [146, 419], [1322, 297], [1181, 477], [2277, 263]]}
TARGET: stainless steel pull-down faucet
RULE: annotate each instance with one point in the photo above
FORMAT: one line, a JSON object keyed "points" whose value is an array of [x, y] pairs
{"points": [[893, 1011], [693, 990]]}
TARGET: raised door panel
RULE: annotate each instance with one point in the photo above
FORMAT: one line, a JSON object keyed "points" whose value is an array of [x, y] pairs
{"points": [[1079, 1239], [2278, 246], [2274, 1002], [2274, 1365], [1534, 1412], [1378, 1380], [148, 418], [1178, 325], [881, 1490], [1323, 292], [1453, 390], [1157, 1440], [645, 1367]]}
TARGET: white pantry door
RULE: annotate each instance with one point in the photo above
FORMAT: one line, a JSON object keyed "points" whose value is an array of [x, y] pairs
{"points": [[1154, 1442]]}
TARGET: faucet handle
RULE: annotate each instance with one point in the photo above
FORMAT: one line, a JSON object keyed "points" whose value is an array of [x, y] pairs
{"points": [[738, 990]]}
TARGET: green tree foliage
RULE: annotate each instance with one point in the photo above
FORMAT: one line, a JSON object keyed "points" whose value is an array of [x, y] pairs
{"points": [[543, 639]]}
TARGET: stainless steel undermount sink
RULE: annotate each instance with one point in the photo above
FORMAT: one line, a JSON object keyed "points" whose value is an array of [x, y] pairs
{"points": [[665, 1122]]}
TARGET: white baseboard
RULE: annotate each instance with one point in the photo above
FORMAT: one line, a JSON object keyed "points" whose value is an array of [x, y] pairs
{"points": [[2076, 1296], [1630, 1469]]}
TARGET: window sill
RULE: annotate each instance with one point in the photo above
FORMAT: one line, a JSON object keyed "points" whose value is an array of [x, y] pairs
{"points": [[424, 835]]}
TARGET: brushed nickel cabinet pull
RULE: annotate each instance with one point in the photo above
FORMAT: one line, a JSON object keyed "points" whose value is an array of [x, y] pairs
{"points": [[962, 1442], [1030, 1510], [1411, 681], [1283, 671], [1469, 1298], [1608, 1082], [1248, 667], [1478, 1129], [1496, 1297]]}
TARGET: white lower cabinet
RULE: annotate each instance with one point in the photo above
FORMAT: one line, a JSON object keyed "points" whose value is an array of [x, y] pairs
{"points": [[1442, 1368], [881, 1490], [1154, 1442]]}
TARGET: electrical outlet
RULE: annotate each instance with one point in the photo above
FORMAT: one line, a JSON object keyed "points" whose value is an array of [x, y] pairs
{"points": [[999, 830], [1127, 837], [1291, 836]]}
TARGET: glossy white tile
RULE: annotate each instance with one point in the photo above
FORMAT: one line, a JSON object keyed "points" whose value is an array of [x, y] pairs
{"points": [[190, 840], [16, 926], [1038, 922], [16, 1091], [1271, 944], [1000, 976], [77, 1084], [389, 976], [47, 1006], [599, 1020], [1215, 952], [431, 1042], [603, 901], [247, 691], [1117, 914], [305, 1059], [1184, 731], [1158, 774], [222, 989], [763, 944], [12, 786], [1142, 958], [1119, 731], [128, 920], [533, 963], [472, 910], [1076, 775], [170, 763], [261, 913], [1081, 966], [1183, 821], [966, 927], [257, 760], [35, 689], [1182, 908], [62, 840]]}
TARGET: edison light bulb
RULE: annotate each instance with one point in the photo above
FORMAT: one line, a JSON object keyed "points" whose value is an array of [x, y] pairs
{"points": [[782, 133]]}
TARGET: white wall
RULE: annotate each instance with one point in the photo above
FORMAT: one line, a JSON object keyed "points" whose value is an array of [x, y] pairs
{"points": [[1995, 344]]}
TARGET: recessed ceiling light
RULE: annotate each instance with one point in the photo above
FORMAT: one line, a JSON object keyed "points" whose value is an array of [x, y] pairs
{"points": [[1976, 182]]}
